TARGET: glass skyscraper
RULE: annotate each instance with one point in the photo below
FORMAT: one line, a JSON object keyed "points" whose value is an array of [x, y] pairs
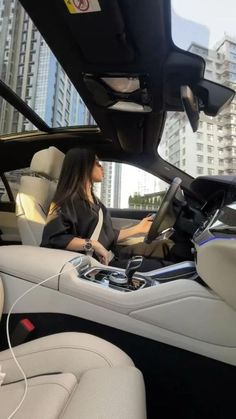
{"points": [[28, 66]]}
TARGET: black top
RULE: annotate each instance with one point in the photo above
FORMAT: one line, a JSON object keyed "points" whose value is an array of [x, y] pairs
{"points": [[77, 218]]}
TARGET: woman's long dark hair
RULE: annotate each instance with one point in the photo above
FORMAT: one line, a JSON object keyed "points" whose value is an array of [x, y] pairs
{"points": [[75, 173]]}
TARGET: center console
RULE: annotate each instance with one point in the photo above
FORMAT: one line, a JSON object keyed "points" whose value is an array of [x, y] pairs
{"points": [[129, 280], [115, 279], [169, 304]]}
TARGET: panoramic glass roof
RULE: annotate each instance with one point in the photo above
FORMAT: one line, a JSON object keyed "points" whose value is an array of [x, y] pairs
{"points": [[30, 69], [15, 122]]}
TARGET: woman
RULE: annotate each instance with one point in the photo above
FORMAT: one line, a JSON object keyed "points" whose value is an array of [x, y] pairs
{"points": [[74, 213]]}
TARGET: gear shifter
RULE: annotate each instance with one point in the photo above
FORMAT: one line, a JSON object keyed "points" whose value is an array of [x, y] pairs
{"points": [[133, 264]]}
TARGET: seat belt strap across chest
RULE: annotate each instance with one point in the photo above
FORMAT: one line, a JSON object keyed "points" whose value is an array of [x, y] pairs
{"points": [[97, 230], [96, 233]]}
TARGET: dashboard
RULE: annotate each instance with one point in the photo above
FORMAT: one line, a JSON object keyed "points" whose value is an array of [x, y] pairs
{"points": [[219, 209], [209, 196], [214, 202], [211, 190]]}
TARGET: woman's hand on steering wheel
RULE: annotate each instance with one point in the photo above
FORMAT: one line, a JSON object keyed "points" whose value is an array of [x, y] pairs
{"points": [[156, 225], [144, 226]]}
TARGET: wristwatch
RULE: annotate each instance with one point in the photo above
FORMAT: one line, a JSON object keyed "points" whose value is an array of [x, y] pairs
{"points": [[88, 247]]}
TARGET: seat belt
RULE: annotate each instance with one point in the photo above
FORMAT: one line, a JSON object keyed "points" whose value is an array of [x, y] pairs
{"points": [[96, 233], [97, 230]]}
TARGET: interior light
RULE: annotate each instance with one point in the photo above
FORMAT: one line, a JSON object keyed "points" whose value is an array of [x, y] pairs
{"points": [[130, 107], [122, 84]]}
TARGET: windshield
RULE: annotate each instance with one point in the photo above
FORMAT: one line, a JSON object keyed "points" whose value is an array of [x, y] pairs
{"points": [[206, 28], [29, 68]]}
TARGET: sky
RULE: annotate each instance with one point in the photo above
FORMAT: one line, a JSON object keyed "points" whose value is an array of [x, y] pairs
{"points": [[215, 17]]}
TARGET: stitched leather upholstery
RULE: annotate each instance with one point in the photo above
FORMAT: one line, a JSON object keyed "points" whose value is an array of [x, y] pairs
{"points": [[71, 376]]}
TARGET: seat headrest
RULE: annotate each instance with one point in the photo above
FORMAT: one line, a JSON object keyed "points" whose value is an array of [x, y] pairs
{"points": [[48, 162]]}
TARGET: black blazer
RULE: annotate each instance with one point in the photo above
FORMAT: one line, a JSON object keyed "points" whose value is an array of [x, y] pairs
{"points": [[78, 218]]}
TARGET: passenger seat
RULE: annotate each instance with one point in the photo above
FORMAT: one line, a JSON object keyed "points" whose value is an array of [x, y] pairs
{"points": [[71, 376]]}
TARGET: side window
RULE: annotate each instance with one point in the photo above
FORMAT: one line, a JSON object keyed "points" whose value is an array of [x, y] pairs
{"points": [[126, 186], [3, 192], [4, 195], [13, 180]]}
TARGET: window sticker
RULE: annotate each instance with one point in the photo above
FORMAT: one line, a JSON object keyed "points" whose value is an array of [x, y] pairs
{"points": [[82, 6]]}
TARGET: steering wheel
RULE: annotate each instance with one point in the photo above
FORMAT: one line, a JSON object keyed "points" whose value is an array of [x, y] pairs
{"points": [[162, 211]]}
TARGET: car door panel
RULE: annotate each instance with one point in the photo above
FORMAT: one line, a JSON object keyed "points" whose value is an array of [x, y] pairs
{"points": [[125, 218]]}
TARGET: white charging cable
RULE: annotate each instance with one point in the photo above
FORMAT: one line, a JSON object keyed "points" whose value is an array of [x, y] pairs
{"points": [[8, 335]]}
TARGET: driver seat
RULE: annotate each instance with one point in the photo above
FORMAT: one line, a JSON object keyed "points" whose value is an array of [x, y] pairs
{"points": [[71, 376], [36, 193]]}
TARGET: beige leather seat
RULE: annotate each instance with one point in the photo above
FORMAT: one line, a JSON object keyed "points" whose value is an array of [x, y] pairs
{"points": [[71, 376], [35, 194]]}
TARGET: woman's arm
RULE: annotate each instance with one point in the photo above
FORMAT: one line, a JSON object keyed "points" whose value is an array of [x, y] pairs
{"points": [[141, 228], [60, 233], [77, 244]]}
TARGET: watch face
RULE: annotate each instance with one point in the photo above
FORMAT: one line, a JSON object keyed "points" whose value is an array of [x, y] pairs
{"points": [[88, 246]]}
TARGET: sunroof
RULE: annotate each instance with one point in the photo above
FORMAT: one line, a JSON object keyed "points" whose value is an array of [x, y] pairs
{"points": [[12, 121], [29, 68]]}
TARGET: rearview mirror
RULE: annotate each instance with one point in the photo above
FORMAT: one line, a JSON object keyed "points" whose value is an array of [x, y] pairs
{"points": [[191, 106]]}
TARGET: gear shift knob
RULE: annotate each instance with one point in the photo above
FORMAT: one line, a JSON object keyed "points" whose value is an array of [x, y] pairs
{"points": [[133, 264]]}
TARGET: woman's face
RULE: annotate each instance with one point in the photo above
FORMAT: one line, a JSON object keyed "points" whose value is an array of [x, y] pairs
{"points": [[97, 172]]}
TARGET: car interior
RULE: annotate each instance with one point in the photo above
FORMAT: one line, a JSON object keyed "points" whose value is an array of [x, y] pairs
{"points": [[109, 342]]}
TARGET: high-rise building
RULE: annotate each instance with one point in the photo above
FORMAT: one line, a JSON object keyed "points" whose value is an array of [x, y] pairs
{"points": [[147, 183], [110, 191], [212, 150], [28, 66], [117, 185]]}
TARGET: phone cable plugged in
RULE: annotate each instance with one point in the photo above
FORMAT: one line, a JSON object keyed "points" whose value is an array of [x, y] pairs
{"points": [[8, 335]]}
